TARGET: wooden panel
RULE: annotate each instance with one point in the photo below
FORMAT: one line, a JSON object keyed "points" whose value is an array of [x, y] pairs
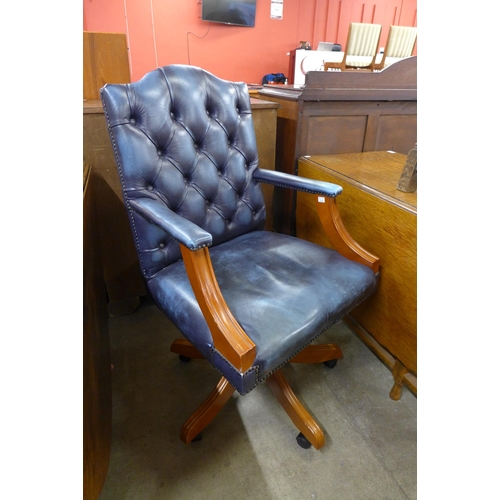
{"points": [[124, 280], [286, 153], [347, 127], [265, 123], [396, 132], [335, 134], [286, 132], [384, 221], [105, 60], [96, 355]]}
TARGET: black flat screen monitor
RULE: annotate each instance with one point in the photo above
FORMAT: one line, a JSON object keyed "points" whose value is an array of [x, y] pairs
{"points": [[237, 13]]}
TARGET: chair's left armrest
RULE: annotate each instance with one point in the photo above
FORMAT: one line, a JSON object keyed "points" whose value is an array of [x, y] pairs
{"points": [[228, 336], [281, 179], [181, 229]]}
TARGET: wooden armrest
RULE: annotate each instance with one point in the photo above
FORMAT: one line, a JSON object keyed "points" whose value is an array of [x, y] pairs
{"points": [[228, 336], [341, 240]]}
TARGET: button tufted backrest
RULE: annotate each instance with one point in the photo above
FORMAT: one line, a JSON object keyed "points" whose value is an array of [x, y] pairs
{"points": [[185, 138]]}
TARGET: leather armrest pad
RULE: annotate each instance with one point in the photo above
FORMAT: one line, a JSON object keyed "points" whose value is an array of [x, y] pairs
{"points": [[184, 231], [295, 182]]}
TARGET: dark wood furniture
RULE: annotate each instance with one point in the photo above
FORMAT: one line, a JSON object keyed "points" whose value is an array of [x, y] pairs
{"points": [[105, 60], [383, 220], [342, 112], [96, 350], [124, 281]]}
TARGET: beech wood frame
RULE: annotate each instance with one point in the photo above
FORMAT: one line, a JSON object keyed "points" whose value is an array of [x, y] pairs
{"points": [[234, 344]]}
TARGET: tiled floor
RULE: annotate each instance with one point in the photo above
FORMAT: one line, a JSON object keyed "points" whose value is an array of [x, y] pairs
{"points": [[249, 450]]}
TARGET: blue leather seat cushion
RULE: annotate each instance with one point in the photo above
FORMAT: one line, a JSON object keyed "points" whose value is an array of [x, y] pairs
{"points": [[274, 285]]}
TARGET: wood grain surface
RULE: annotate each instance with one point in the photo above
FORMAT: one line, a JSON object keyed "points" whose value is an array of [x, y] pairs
{"points": [[384, 221]]}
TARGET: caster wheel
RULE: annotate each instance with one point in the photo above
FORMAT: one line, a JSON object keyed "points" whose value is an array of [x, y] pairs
{"points": [[197, 438], [330, 364], [184, 359], [302, 441]]}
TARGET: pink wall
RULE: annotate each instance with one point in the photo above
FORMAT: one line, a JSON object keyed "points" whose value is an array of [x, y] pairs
{"points": [[162, 32]]}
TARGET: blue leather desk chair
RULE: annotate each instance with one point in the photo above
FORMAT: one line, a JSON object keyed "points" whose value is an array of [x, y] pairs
{"points": [[245, 299]]}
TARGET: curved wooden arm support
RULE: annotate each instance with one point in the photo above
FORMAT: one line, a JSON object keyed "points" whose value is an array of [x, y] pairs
{"points": [[341, 240], [228, 336]]}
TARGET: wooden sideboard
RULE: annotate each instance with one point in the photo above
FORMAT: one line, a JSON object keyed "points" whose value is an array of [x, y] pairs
{"points": [[341, 112], [384, 221], [96, 350], [124, 282]]}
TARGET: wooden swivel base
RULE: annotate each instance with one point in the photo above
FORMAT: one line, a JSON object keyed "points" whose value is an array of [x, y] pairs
{"points": [[279, 386]]}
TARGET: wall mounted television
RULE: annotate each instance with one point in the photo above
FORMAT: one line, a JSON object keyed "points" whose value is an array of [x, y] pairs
{"points": [[234, 12]]}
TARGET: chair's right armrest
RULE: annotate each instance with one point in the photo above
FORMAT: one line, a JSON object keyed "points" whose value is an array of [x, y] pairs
{"points": [[183, 230]]}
